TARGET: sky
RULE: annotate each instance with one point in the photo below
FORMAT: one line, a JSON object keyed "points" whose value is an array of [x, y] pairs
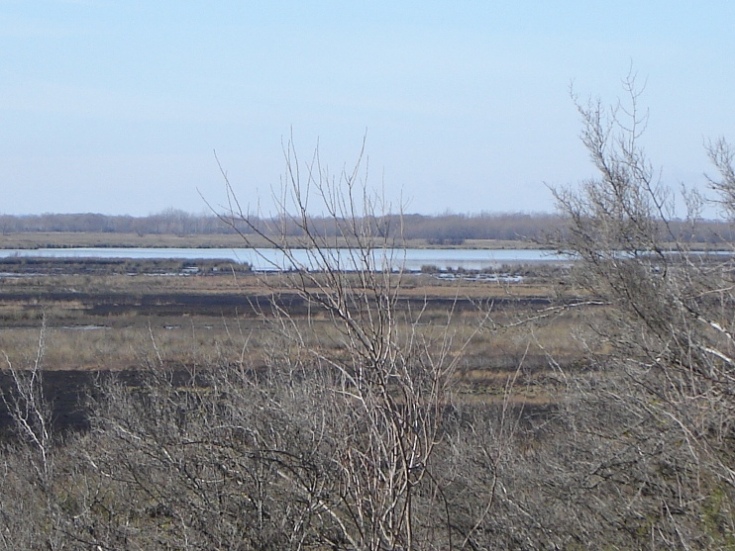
{"points": [[119, 107]]}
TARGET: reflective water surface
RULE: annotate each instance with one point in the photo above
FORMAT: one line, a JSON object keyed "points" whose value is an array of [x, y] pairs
{"points": [[344, 259]]}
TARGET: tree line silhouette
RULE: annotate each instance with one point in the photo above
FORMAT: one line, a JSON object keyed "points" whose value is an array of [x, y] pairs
{"points": [[440, 229]]}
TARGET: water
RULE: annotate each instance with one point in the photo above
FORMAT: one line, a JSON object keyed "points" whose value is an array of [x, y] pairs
{"points": [[344, 259]]}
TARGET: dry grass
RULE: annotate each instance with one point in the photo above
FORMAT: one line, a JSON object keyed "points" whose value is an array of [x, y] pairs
{"points": [[505, 356], [37, 240]]}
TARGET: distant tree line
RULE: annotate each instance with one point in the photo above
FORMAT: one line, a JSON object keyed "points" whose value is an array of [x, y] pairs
{"points": [[442, 229]]}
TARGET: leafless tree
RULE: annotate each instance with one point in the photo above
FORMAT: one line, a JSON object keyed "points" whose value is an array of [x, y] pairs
{"points": [[385, 377], [668, 368]]}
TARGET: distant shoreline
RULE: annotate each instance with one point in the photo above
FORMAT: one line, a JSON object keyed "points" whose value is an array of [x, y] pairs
{"points": [[66, 240], [69, 240]]}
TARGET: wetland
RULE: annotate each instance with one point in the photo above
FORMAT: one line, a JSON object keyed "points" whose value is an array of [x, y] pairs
{"points": [[125, 316]]}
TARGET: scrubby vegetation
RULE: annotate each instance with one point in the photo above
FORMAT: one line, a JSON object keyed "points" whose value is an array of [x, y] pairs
{"points": [[370, 410]]}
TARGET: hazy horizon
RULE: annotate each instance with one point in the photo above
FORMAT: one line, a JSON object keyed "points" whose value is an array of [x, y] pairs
{"points": [[172, 211], [116, 108]]}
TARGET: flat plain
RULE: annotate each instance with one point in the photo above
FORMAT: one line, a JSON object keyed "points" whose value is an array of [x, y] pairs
{"points": [[128, 316]]}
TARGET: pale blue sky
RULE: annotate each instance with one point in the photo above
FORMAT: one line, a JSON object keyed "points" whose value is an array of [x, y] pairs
{"points": [[116, 106]]}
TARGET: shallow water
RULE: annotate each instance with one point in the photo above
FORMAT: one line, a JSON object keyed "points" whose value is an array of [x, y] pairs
{"points": [[343, 259]]}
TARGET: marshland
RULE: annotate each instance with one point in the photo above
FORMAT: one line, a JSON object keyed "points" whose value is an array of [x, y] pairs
{"points": [[332, 405], [116, 315]]}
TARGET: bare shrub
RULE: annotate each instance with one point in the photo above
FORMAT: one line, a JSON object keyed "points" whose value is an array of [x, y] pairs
{"points": [[668, 449], [340, 441], [385, 378]]}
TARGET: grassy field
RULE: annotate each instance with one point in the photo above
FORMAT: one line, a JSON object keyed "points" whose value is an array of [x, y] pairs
{"points": [[39, 240], [135, 315]]}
